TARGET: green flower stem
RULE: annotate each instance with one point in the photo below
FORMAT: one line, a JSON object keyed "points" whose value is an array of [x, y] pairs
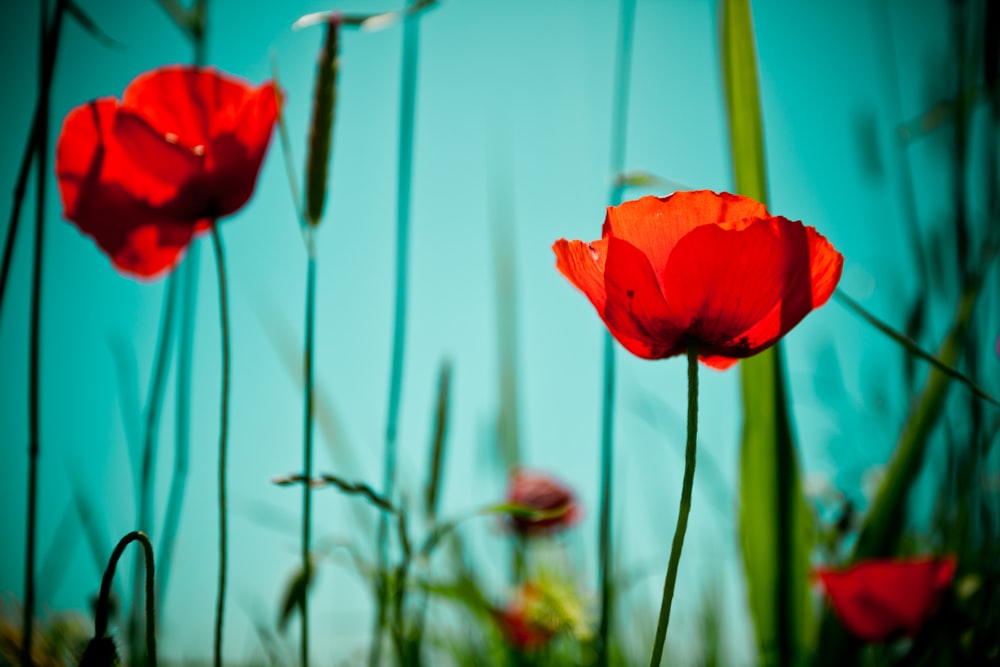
{"points": [[685, 508], [103, 600], [307, 449], [220, 605]]}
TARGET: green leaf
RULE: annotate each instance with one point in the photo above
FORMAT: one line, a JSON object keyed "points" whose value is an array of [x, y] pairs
{"points": [[746, 130], [527, 511], [286, 144], [437, 444], [775, 524], [912, 347], [295, 594], [884, 524], [776, 532]]}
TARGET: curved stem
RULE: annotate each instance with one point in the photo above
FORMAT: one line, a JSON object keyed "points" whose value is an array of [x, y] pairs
{"points": [[308, 444], [103, 600], [685, 508], [220, 605]]}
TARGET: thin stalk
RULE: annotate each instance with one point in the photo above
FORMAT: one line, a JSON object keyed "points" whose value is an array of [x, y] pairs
{"points": [[220, 605], [682, 518], [307, 450], [182, 415], [153, 406], [623, 66], [408, 94], [50, 46], [20, 188], [101, 615], [47, 56]]}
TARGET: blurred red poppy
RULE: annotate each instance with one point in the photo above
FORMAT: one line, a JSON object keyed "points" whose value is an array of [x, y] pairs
{"points": [[715, 269], [553, 501], [143, 175], [881, 599], [518, 623]]}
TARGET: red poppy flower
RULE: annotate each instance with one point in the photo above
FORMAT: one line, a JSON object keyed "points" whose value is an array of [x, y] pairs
{"points": [[880, 599], [142, 175], [517, 622], [716, 269], [541, 493]]}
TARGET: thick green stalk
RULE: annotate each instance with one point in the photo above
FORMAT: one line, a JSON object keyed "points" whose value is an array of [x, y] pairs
{"points": [[774, 519], [690, 452]]}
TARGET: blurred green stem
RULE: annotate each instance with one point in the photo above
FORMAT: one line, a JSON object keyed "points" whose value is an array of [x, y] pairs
{"points": [[50, 45], [47, 48], [690, 451], [220, 605], [193, 25], [408, 94], [307, 448], [623, 66], [153, 405], [103, 600]]}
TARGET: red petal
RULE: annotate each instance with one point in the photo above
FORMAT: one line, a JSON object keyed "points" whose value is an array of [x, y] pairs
{"points": [[168, 169], [879, 599], [655, 225], [103, 192], [192, 103], [583, 265], [237, 155], [635, 311], [718, 363], [148, 251], [744, 288]]}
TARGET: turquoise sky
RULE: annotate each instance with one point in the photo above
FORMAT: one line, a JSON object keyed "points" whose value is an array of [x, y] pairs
{"points": [[513, 123]]}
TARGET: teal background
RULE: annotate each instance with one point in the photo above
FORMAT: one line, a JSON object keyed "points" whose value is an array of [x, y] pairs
{"points": [[513, 128]]}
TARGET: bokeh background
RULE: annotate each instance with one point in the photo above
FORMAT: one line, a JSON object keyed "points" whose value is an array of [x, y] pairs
{"points": [[512, 151]]}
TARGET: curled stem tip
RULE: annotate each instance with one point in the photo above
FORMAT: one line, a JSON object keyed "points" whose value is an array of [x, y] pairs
{"points": [[103, 600]]}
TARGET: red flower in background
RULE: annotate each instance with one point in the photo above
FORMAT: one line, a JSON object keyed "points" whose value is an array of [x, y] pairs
{"points": [[142, 175], [542, 494], [879, 599], [716, 269], [518, 623]]}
